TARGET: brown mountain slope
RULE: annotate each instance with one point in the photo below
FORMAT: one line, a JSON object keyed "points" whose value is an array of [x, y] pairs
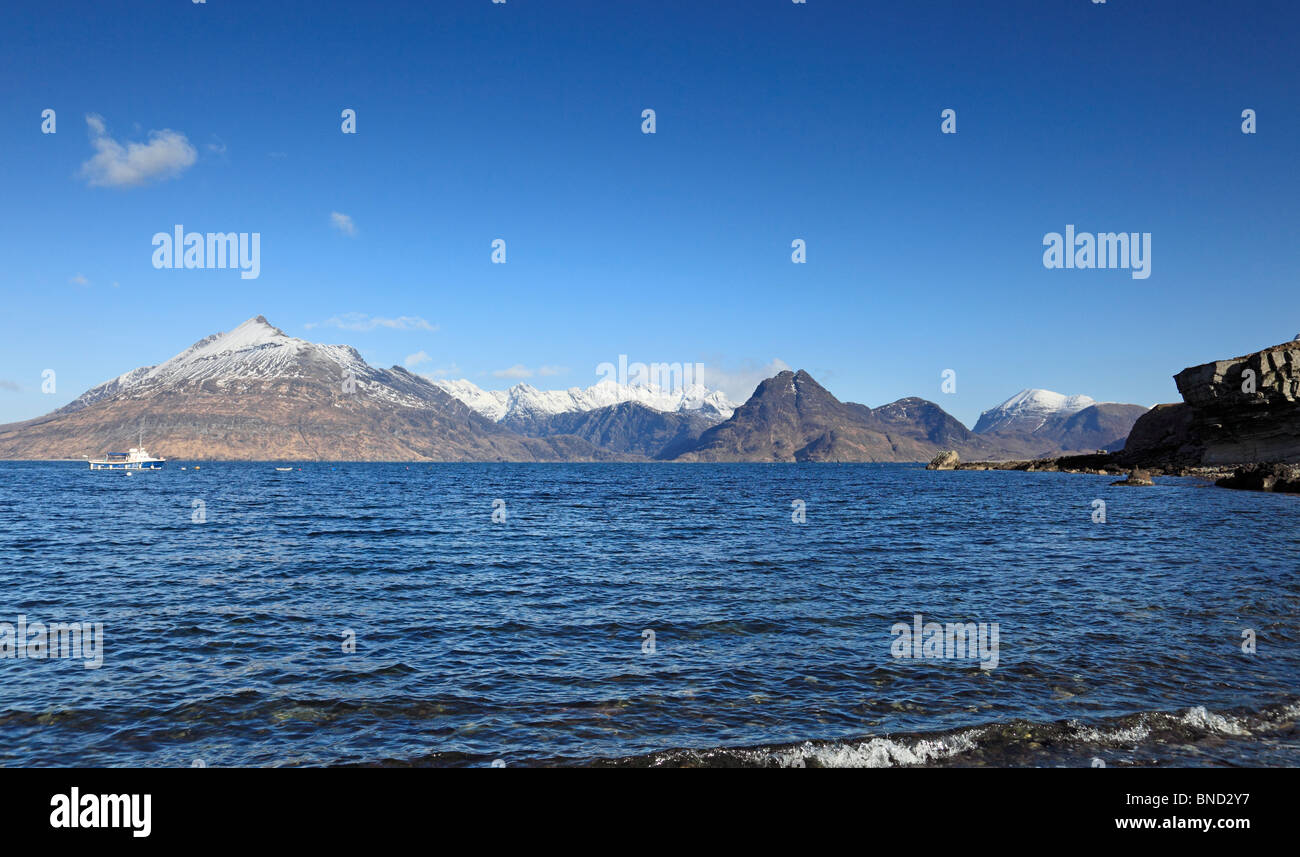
{"points": [[791, 417], [1104, 425]]}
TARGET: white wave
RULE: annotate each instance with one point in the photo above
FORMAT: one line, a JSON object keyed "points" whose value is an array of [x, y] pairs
{"points": [[1211, 722], [878, 752]]}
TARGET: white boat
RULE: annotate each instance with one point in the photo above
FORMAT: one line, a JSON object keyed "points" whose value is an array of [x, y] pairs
{"points": [[134, 459]]}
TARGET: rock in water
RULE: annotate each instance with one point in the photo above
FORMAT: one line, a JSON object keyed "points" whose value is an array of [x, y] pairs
{"points": [[1136, 477], [946, 460]]}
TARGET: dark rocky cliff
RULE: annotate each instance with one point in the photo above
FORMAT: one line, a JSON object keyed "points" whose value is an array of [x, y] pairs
{"points": [[1238, 411]]}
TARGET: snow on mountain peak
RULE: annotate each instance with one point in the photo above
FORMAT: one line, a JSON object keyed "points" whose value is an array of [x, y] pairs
{"points": [[492, 404], [523, 401], [1046, 400], [255, 351], [252, 333], [1029, 410]]}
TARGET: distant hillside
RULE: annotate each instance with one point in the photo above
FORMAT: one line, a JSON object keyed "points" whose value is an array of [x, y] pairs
{"points": [[1041, 422], [791, 417], [628, 427], [1027, 411]]}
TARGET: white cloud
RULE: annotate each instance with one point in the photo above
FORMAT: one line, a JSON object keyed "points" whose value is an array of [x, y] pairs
{"points": [[416, 359], [166, 155], [343, 224], [11, 386], [360, 321], [519, 370], [79, 280], [452, 371], [739, 383]]}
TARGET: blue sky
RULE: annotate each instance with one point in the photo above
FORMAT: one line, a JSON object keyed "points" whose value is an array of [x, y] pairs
{"points": [[775, 121]]}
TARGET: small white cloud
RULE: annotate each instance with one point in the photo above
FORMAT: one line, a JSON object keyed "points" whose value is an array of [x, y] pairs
{"points": [[546, 371], [79, 280], [166, 155], [360, 321], [516, 371], [343, 224], [11, 386], [416, 359]]}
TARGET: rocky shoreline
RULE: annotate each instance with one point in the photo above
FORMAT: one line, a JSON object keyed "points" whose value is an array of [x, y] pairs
{"points": [[1238, 425], [1276, 477]]}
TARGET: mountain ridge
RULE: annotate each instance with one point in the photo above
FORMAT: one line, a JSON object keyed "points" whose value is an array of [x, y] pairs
{"points": [[256, 393], [523, 405], [1028, 410]]}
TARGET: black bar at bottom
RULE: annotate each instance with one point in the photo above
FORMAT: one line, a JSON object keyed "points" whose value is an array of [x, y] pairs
{"points": [[330, 806]]}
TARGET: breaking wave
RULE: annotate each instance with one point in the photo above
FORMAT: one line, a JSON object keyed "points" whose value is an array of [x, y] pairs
{"points": [[1190, 737]]}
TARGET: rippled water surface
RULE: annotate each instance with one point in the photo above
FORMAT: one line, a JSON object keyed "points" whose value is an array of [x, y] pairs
{"points": [[523, 641]]}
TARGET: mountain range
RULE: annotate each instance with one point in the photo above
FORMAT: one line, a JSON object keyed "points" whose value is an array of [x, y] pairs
{"points": [[525, 409], [255, 393]]}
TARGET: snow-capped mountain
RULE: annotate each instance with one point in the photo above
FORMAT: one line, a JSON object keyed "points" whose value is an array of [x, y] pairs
{"points": [[492, 404], [247, 358], [255, 393], [523, 404], [1030, 410], [256, 356]]}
